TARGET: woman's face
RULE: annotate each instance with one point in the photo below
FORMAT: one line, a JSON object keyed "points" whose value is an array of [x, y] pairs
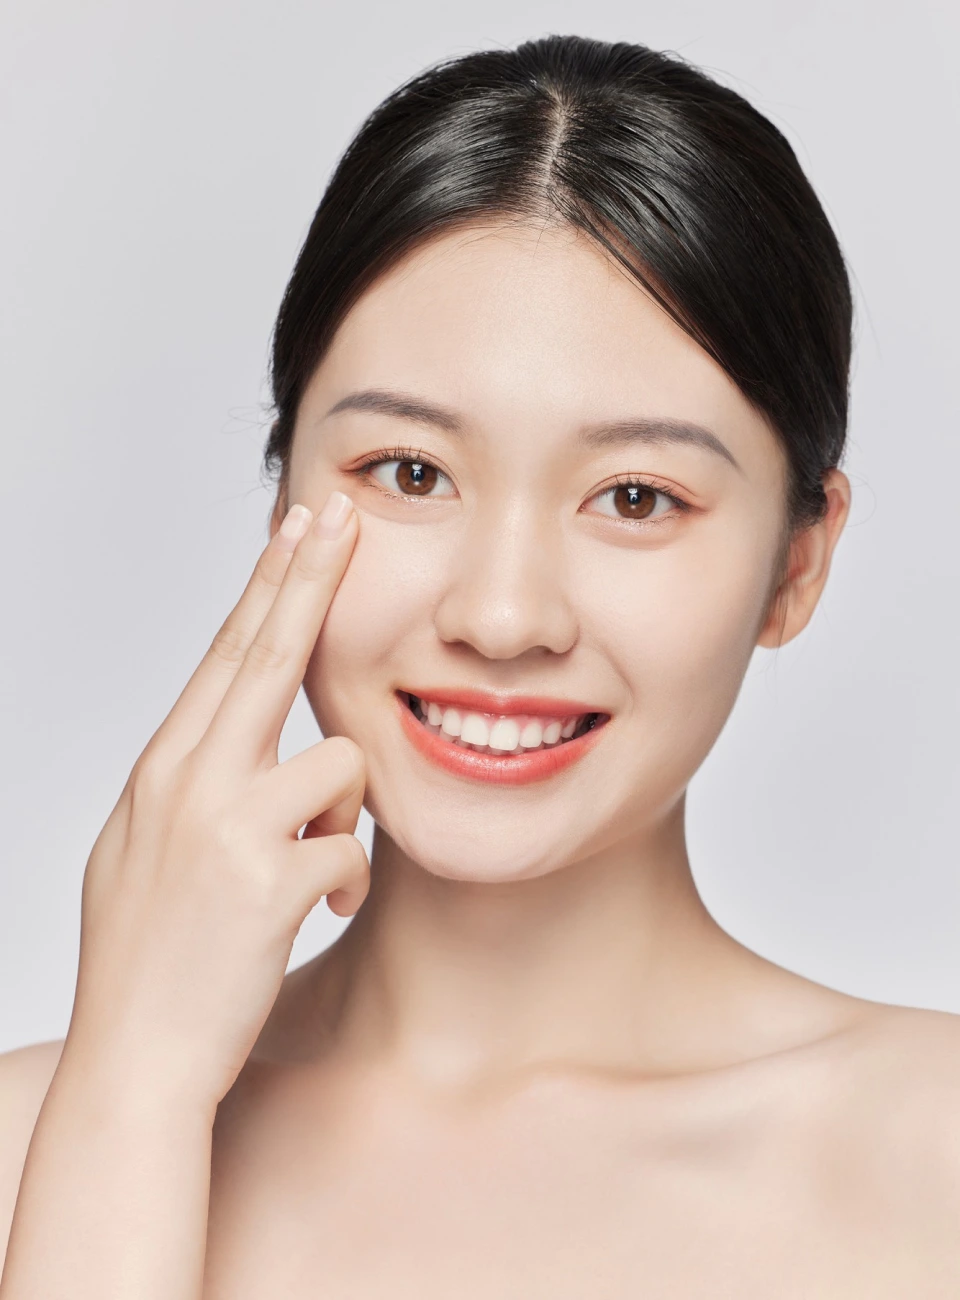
{"points": [[503, 547]]}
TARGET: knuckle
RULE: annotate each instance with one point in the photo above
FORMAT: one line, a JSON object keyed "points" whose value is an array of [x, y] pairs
{"points": [[267, 572], [266, 657], [363, 864], [348, 759], [350, 855], [229, 645], [149, 778]]}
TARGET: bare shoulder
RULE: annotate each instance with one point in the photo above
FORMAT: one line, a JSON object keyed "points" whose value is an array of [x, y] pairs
{"points": [[918, 1051], [25, 1075], [905, 1085]]}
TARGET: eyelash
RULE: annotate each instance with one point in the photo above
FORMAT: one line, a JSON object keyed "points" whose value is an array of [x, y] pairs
{"points": [[386, 454]]}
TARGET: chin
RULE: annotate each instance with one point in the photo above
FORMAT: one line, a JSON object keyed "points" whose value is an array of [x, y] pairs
{"points": [[488, 860]]}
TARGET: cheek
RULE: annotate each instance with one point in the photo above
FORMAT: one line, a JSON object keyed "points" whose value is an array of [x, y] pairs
{"points": [[376, 619], [679, 625], [678, 633]]}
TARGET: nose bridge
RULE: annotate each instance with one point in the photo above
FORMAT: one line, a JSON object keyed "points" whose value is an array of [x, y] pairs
{"points": [[506, 589]]}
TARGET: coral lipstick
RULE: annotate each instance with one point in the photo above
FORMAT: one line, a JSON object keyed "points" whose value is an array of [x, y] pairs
{"points": [[507, 769]]}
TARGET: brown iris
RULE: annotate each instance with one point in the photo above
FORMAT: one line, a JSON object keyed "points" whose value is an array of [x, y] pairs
{"points": [[634, 500], [416, 477]]}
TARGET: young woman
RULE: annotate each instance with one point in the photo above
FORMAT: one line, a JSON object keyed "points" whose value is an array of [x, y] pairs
{"points": [[561, 392]]}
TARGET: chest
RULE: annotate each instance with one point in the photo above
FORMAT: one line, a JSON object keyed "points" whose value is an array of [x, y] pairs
{"points": [[551, 1202]]}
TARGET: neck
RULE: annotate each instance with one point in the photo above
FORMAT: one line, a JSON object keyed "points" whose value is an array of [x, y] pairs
{"points": [[612, 963]]}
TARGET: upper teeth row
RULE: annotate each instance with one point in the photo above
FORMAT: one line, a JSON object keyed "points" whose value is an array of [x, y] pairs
{"points": [[503, 733]]}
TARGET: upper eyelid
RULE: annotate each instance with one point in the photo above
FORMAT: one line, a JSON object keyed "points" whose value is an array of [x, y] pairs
{"points": [[648, 480]]}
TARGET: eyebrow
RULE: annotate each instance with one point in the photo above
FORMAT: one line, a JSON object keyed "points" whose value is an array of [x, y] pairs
{"points": [[651, 430]]}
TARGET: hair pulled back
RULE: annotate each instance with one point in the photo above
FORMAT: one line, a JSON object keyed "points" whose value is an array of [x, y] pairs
{"points": [[687, 185]]}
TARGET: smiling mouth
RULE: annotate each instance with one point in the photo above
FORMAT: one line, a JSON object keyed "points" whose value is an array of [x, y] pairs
{"points": [[503, 736]]}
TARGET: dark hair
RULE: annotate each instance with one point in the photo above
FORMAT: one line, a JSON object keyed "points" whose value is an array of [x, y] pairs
{"points": [[692, 189]]}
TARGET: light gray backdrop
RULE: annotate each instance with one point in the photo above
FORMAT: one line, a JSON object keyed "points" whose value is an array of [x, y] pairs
{"points": [[160, 165]]}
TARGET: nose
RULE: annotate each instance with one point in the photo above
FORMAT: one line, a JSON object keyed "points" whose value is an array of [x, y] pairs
{"points": [[505, 591]]}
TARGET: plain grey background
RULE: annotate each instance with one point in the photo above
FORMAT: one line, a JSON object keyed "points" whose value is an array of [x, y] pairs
{"points": [[160, 165]]}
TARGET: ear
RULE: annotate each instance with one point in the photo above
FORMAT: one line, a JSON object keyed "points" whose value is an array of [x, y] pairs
{"points": [[808, 565]]}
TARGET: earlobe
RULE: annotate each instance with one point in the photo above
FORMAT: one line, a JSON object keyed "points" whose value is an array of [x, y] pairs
{"points": [[807, 568]]}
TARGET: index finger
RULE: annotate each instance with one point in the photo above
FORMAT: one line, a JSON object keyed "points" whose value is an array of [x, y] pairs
{"points": [[254, 708], [199, 700]]}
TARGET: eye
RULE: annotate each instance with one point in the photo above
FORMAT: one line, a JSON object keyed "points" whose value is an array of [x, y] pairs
{"points": [[400, 471], [634, 500]]}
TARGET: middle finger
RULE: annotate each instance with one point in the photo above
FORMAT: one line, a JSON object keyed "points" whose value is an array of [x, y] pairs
{"points": [[247, 725]]}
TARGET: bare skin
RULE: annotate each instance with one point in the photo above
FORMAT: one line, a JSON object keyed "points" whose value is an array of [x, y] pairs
{"points": [[534, 1065], [829, 1170], [794, 1175]]}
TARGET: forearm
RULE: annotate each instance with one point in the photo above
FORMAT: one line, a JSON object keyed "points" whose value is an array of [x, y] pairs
{"points": [[114, 1195]]}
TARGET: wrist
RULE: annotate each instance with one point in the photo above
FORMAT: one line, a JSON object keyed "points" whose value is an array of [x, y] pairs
{"points": [[114, 1080]]}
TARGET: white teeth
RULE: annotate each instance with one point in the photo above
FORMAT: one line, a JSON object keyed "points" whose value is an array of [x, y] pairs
{"points": [[474, 730], [532, 735], [450, 725], [504, 735]]}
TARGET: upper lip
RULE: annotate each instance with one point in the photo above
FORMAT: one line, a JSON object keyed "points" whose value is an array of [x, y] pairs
{"points": [[505, 704]]}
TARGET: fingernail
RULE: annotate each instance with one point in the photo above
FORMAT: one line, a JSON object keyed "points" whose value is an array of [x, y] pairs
{"points": [[295, 524], [332, 519]]}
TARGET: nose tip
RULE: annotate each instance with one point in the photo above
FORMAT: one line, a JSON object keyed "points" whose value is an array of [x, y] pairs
{"points": [[506, 594]]}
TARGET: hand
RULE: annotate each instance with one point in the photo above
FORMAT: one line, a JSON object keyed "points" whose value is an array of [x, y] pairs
{"points": [[198, 883]]}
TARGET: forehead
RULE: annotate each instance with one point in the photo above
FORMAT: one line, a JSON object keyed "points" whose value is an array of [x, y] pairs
{"points": [[522, 326]]}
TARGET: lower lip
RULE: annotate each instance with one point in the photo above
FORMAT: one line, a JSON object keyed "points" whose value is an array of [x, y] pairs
{"points": [[519, 769]]}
